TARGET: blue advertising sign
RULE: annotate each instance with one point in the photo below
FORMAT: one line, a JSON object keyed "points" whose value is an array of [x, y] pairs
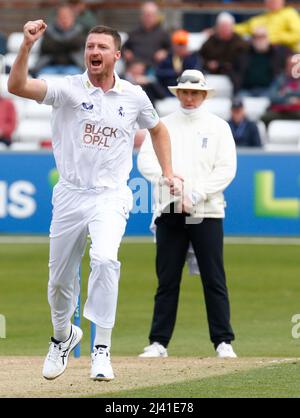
{"points": [[25, 192], [263, 199]]}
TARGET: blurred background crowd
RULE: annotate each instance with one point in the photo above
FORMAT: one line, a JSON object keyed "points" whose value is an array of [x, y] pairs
{"points": [[248, 52]]}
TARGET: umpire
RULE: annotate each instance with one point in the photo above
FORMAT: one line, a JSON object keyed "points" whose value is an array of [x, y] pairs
{"points": [[204, 160]]}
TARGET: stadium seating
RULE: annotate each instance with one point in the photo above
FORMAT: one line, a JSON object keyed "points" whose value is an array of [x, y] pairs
{"points": [[33, 119], [220, 106], [15, 40], [37, 111], [21, 106], [24, 146], [13, 44], [33, 130], [196, 40], [255, 107], [11, 56], [3, 87], [221, 83], [283, 135], [262, 132], [166, 106], [124, 37], [19, 103]]}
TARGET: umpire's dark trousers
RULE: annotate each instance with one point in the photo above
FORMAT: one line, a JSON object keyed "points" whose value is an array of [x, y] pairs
{"points": [[173, 237]]}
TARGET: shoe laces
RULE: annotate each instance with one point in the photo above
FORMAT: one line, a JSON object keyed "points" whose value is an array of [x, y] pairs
{"points": [[54, 352], [101, 353]]}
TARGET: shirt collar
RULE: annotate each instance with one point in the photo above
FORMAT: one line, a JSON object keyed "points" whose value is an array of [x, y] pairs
{"points": [[117, 88], [87, 83], [194, 114]]}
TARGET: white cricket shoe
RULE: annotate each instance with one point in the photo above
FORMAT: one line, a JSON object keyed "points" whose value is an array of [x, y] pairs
{"points": [[225, 351], [154, 350], [101, 366], [57, 358]]}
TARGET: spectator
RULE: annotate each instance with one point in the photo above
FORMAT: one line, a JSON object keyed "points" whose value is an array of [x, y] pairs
{"points": [[62, 45], [3, 41], [84, 16], [149, 43], [136, 74], [281, 21], [261, 64], [285, 95], [223, 47], [8, 120], [178, 60], [244, 131]]}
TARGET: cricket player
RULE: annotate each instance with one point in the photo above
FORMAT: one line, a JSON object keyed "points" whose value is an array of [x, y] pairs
{"points": [[94, 119]]}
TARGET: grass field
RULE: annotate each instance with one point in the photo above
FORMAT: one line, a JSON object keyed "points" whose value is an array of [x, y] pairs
{"points": [[256, 383], [265, 293]]}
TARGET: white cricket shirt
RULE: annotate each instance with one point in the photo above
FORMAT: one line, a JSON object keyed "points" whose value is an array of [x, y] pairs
{"points": [[93, 132]]}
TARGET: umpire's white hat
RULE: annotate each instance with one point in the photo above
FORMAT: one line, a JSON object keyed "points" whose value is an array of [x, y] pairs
{"points": [[192, 80]]}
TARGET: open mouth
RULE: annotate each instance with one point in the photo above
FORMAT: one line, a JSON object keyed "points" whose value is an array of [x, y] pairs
{"points": [[96, 63]]}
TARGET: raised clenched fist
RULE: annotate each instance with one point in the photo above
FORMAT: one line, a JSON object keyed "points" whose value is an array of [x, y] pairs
{"points": [[33, 30]]}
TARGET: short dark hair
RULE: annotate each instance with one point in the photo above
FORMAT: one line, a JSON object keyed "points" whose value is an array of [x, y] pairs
{"points": [[108, 31]]}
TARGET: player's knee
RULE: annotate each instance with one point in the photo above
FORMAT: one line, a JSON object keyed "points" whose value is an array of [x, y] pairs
{"points": [[57, 288], [106, 272], [103, 260], [106, 265]]}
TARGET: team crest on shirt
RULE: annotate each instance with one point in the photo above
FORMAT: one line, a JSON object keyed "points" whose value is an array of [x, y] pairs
{"points": [[204, 142], [87, 106], [121, 111]]}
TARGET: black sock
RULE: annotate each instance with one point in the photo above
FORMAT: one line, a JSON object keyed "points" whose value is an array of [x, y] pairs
{"points": [[58, 342], [100, 346], [55, 341]]}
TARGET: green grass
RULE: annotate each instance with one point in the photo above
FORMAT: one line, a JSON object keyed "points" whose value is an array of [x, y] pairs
{"points": [[263, 281], [280, 381], [264, 287]]}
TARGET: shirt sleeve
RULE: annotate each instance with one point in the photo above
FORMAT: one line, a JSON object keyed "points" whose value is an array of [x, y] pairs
{"points": [[58, 92], [147, 117]]}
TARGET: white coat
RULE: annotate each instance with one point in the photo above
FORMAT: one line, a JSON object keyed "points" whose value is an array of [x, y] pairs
{"points": [[203, 153]]}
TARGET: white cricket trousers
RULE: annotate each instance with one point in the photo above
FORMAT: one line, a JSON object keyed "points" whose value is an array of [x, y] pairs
{"points": [[76, 214]]}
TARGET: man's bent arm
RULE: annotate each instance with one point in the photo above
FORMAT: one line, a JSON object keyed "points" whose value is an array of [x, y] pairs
{"points": [[18, 82], [162, 147]]}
